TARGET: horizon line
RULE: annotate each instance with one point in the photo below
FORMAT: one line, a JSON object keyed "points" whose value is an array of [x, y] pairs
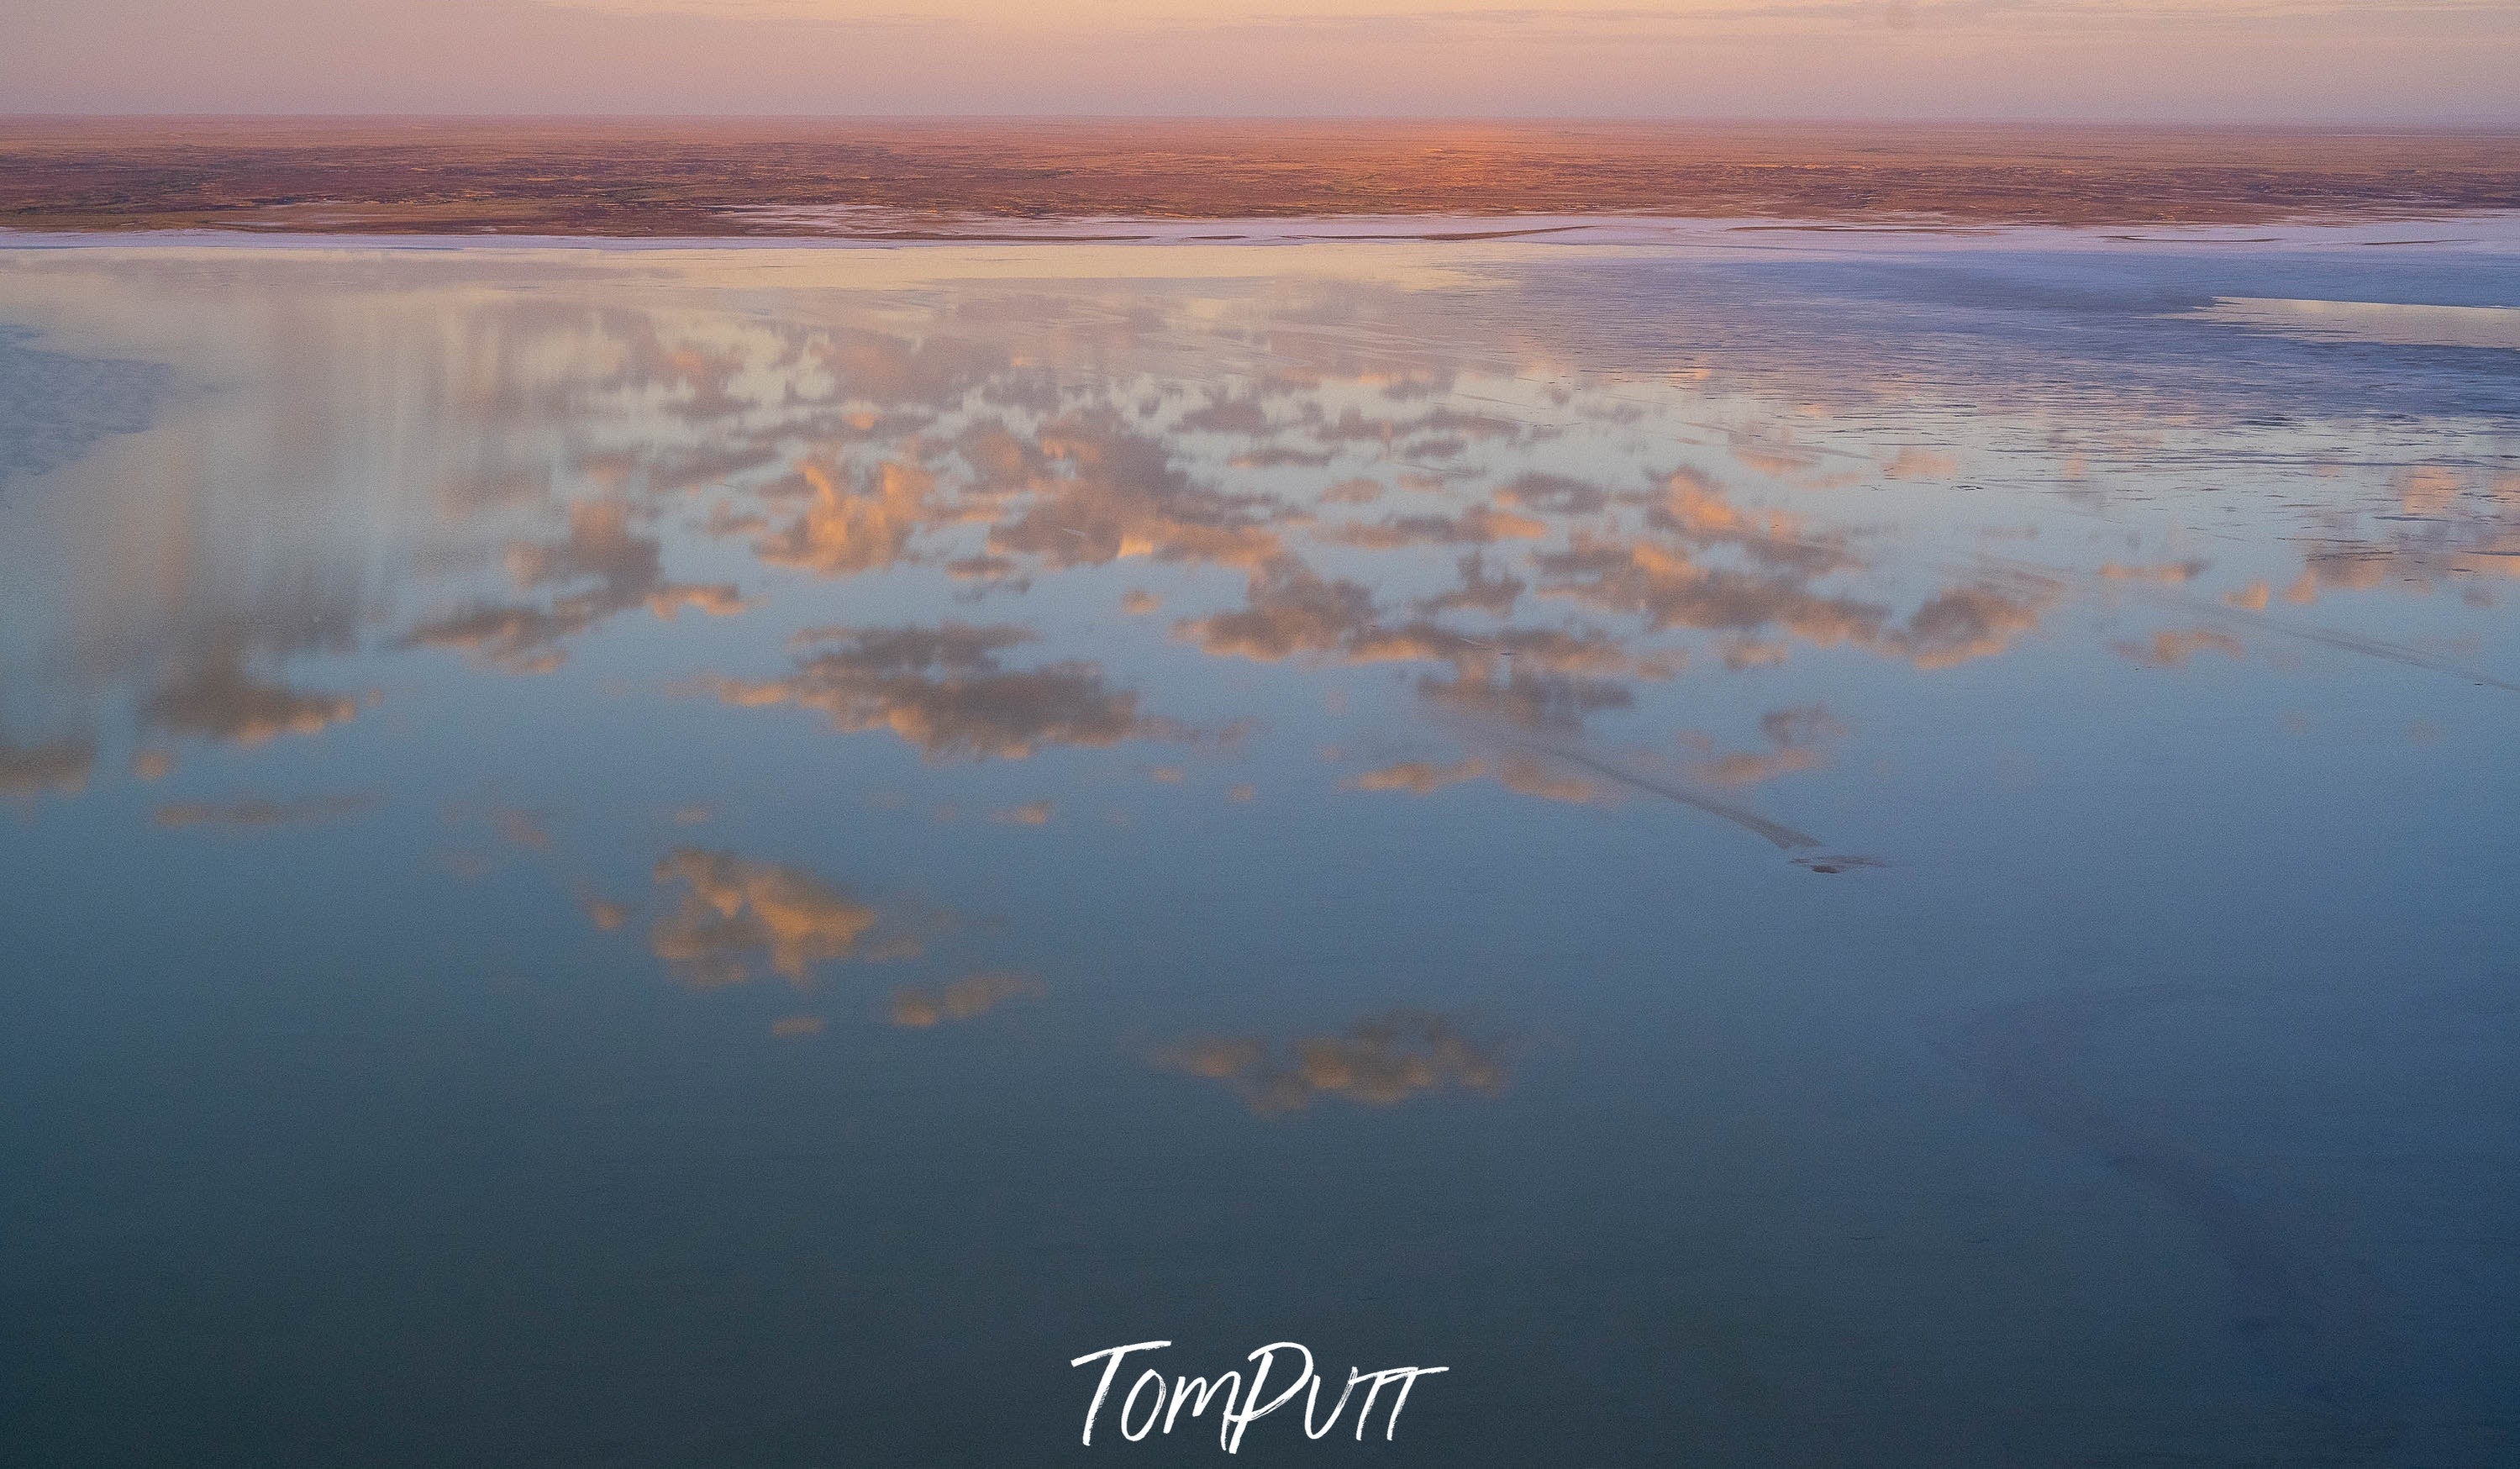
{"points": [[2446, 123]]}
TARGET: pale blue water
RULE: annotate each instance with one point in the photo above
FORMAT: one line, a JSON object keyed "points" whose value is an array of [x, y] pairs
{"points": [[1856, 853]]}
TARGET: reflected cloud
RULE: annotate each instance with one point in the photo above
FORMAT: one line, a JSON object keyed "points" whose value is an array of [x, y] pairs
{"points": [[1418, 777], [1525, 700], [944, 690], [1553, 494], [720, 601], [1287, 613], [601, 546], [1795, 742], [1523, 772], [1522, 677], [2469, 554], [1476, 526], [1741, 653], [1526, 774], [2169, 573], [1665, 588], [223, 703], [1696, 510], [1108, 493], [2175, 648], [1626, 777], [1971, 623], [843, 529], [735, 913], [59, 767], [1380, 1061], [1481, 590], [967, 999], [603, 912]]}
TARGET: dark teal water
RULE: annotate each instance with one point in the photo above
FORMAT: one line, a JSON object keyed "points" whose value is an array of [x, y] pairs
{"points": [[1851, 853]]}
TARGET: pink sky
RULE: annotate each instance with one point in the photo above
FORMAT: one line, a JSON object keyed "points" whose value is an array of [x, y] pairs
{"points": [[2168, 60]]}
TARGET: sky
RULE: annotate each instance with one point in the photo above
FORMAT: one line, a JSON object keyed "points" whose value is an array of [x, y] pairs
{"points": [[2313, 61]]}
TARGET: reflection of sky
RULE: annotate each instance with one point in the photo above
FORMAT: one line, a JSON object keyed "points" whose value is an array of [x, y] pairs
{"points": [[1450, 701]]}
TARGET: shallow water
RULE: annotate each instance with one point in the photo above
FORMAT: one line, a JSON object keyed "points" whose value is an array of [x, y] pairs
{"points": [[1850, 853]]}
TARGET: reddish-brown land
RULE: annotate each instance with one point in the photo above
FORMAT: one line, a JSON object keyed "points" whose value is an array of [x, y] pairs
{"points": [[715, 177]]}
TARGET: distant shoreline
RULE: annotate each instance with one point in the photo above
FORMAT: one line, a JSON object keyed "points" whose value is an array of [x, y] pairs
{"points": [[977, 180], [2492, 231]]}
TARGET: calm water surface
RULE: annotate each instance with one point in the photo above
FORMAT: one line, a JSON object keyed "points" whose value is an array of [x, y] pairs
{"points": [[1843, 853]]}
